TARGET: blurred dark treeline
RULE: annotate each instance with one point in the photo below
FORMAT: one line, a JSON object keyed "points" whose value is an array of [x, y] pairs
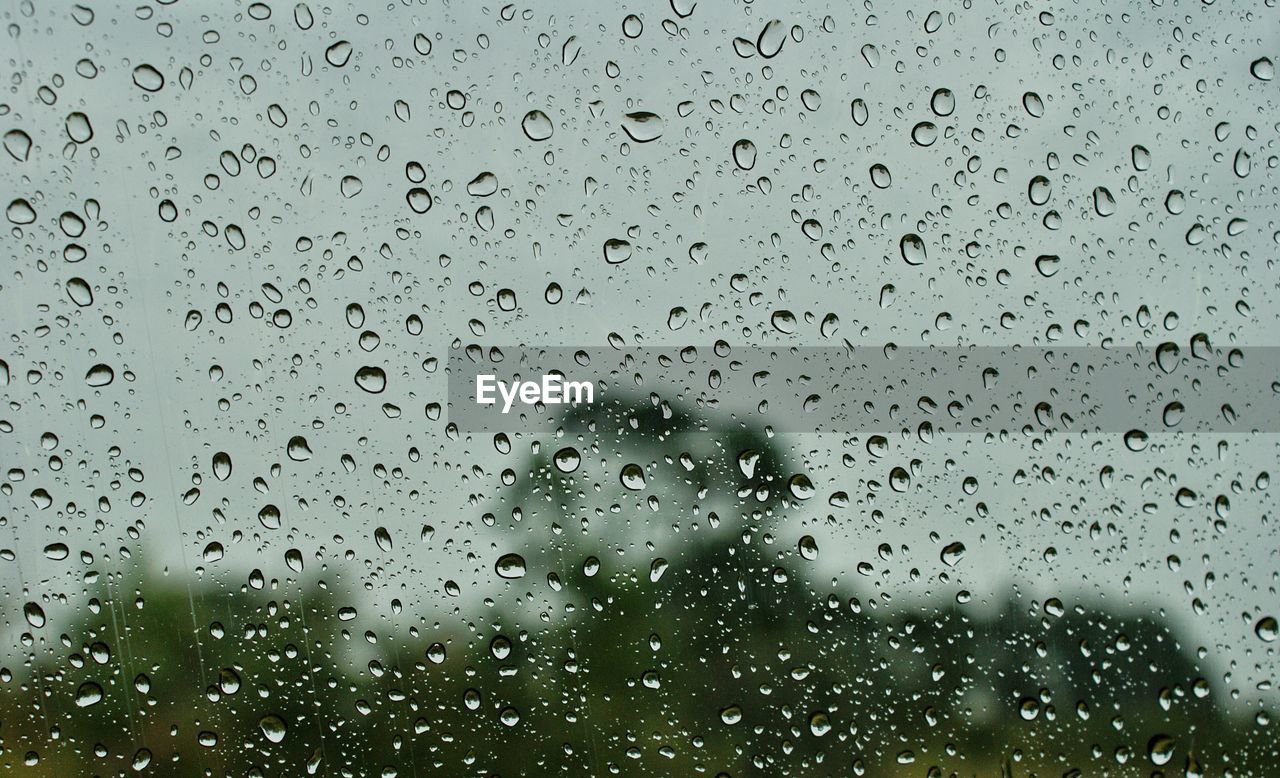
{"points": [[714, 656]]}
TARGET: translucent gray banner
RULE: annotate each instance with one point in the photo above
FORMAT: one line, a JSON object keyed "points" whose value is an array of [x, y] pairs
{"points": [[1167, 387]]}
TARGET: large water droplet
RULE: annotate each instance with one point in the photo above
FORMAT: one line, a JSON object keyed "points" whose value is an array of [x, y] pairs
{"points": [[912, 248], [567, 459], [148, 78], [1267, 629], [297, 449], [744, 154], [34, 614], [643, 126], [100, 375], [510, 566], [338, 54], [537, 126], [632, 477], [371, 379], [20, 212], [617, 251], [952, 553], [772, 36], [273, 727]]}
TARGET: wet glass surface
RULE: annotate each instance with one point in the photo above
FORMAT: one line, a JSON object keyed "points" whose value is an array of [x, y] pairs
{"points": [[255, 251]]}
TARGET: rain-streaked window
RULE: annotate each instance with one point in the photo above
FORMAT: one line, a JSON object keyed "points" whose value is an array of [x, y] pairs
{"points": [[878, 388]]}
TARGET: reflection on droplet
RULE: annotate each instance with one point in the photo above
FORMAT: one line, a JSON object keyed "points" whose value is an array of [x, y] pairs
{"points": [[616, 251], [20, 212], [273, 727], [952, 553], [912, 249], [924, 133], [338, 54], [148, 78], [632, 477], [100, 375], [371, 379], [269, 517], [510, 566], [1267, 629], [567, 459], [483, 185], [643, 126], [744, 154], [537, 126]]}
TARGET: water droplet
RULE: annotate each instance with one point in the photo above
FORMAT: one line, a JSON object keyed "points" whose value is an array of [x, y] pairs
{"points": [[858, 111], [78, 127], [1135, 440], [371, 379], [483, 185], [632, 26], [1160, 749], [632, 477], [269, 517], [419, 199], [383, 539], [1267, 629], [1038, 190], [912, 248], [731, 715], [148, 78], [616, 251], [657, 568], [18, 144], [801, 487], [34, 614], [819, 723], [744, 154], [79, 291], [20, 212], [1047, 265], [350, 186], [784, 321], [88, 694], [952, 553], [338, 54], [943, 102], [1103, 203], [1029, 708], [567, 459], [808, 547], [297, 449], [222, 465], [924, 133], [772, 36], [273, 727], [1262, 69], [880, 176], [537, 126], [100, 375], [1033, 105], [510, 566], [643, 126]]}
